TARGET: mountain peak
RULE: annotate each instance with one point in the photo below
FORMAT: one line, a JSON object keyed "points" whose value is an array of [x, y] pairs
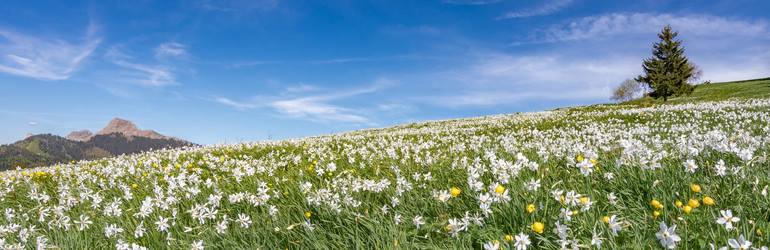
{"points": [[82, 135], [128, 129], [118, 125]]}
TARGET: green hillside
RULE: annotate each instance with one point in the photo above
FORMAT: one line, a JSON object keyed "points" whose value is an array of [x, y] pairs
{"points": [[691, 174], [747, 89]]}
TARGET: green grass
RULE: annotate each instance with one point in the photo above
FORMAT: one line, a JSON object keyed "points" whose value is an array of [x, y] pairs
{"points": [[746, 89]]}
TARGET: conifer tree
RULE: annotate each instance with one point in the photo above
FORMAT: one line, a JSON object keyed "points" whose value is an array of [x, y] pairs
{"points": [[666, 73]]}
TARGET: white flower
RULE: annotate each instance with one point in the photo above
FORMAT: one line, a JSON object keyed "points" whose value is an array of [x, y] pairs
{"points": [[197, 245], [596, 241], [566, 214], [615, 224], [690, 166], [586, 167], [243, 220], [533, 185], [492, 245], [612, 198], [522, 241], [417, 221], [83, 222], [720, 168], [741, 243], [560, 230], [609, 176], [162, 224], [397, 219], [139, 231], [727, 219], [112, 230], [667, 236], [572, 198]]}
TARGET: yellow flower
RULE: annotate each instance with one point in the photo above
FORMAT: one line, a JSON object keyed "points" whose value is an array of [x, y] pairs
{"points": [[693, 203], [656, 214], [678, 203], [538, 227], [594, 161], [584, 200], [455, 191], [308, 214], [606, 219], [499, 189], [656, 204], [695, 188], [134, 186], [531, 208], [708, 201], [508, 238], [687, 209], [579, 158]]}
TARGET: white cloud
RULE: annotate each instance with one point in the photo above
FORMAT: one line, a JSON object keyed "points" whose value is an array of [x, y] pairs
{"points": [[44, 58], [542, 10], [495, 79], [235, 104], [644, 23], [317, 107], [170, 49], [138, 73]]}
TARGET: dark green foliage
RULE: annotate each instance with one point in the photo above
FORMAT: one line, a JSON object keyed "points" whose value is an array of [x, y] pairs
{"points": [[46, 149], [667, 72]]}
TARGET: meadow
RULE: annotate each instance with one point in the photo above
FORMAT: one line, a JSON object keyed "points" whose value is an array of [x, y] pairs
{"points": [[688, 174]]}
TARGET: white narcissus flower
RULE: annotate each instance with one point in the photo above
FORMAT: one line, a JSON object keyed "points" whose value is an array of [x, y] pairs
{"points": [[741, 243], [667, 236], [727, 219], [522, 241]]}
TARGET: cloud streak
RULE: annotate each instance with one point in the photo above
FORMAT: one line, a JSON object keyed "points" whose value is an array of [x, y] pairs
{"points": [[45, 59], [316, 107], [542, 10], [139, 73], [645, 23]]}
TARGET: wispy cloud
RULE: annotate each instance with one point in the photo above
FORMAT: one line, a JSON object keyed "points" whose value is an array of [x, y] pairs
{"points": [[494, 79], [235, 104], [237, 5], [317, 107], [170, 50], [645, 23], [44, 58], [139, 73], [542, 10]]}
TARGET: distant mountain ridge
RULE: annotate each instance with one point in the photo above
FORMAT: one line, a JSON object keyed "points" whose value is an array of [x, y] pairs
{"points": [[118, 137], [117, 126]]}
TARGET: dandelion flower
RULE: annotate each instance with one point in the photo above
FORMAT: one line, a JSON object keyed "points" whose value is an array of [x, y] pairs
{"points": [[538, 227], [695, 188], [531, 208], [499, 189], [455, 191]]}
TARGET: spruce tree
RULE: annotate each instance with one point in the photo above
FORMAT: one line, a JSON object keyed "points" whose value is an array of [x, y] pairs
{"points": [[666, 73]]}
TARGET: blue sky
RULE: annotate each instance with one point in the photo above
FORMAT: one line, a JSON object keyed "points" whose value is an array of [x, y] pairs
{"points": [[245, 70]]}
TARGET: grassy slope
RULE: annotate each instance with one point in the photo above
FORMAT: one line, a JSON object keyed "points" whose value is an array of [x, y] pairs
{"points": [[755, 88], [373, 229]]}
